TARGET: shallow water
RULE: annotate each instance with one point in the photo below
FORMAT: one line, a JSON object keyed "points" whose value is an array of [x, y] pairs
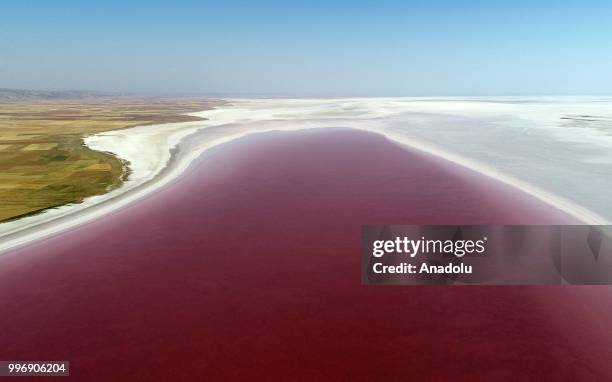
{"points": [[536, 143]]}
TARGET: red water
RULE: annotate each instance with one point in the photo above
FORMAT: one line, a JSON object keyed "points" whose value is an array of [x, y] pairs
{"points": [[247, 267]]}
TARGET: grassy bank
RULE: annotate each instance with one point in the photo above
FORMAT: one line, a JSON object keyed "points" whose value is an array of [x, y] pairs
{"points": [[43, 161]]}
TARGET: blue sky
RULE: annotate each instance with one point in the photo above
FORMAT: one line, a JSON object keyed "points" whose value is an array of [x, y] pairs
{"points": [[309, 47]]}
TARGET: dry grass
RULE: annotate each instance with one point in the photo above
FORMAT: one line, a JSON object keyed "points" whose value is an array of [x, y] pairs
{"points": [[43, 162]]}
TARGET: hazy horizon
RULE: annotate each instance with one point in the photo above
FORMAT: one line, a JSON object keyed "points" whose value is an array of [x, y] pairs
{"points": [[295, 95], [342, 48]]}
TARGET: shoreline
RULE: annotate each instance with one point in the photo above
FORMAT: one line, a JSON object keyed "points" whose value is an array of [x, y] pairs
{"points": [[179, 144]]}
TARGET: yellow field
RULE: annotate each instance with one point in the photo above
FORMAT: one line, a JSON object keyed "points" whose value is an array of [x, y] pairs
{"points": [[43, 162]]}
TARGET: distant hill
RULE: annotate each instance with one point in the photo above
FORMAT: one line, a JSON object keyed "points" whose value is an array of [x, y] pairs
{"points": [[27, 95]]}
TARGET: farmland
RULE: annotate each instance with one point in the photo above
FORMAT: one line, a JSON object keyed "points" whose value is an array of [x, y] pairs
{"points": [[43, 161]]}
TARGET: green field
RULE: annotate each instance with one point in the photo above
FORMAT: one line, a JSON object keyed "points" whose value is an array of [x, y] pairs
{"points": [[43, 161]]}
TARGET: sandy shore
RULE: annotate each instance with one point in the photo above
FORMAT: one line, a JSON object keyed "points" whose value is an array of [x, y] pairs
{"points": [[250, 262], [159, 154]]}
